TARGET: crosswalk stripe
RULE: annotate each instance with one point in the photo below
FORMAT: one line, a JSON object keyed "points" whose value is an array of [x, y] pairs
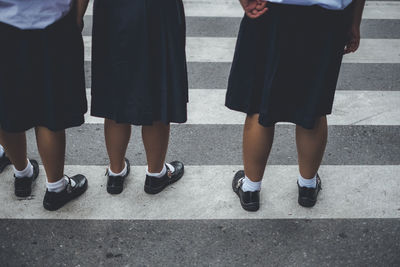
{"points": [[199, 50], [205, 193], [231, 8], [206, 106]]}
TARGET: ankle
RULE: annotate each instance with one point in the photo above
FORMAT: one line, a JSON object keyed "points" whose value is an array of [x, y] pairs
{"points": [[57, 186], [123, 171], [157, 174], [309, 183], [250, 186], [26, 172]]}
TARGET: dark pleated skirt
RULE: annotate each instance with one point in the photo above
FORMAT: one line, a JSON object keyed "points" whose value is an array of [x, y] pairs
{"points": [[139, 73], [287, 62], [42, 77]]}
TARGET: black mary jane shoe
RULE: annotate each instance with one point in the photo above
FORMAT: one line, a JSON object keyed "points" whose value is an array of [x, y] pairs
{"points": [[308, 196], [53, 201], [115, 184], [4, 162], [23, 185], [250, 201], [155, 185]]}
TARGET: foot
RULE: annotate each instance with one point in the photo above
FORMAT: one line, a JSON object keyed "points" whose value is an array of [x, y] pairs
{"points": [[23, 185], [308, 196], [250, 201], [53, 201], [4, 162], [115, 184], [155, 185]]}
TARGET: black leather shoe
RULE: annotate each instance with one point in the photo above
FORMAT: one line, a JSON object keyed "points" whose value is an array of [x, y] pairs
{"points": [[250, 201], [53, 201], [308, 196], [23, 185], [4, 162], [115, 184], [155, 185]]}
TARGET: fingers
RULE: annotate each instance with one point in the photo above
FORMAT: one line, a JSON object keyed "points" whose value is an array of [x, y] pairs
{"points": [[255, 8], [352, 46]]}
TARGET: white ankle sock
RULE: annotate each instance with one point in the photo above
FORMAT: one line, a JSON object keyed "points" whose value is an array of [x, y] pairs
{"points": [[163, 171], [27, 172], [1, 151], [251, 186], [59, 185], [309, 183], [157, 175], [122, 173]]}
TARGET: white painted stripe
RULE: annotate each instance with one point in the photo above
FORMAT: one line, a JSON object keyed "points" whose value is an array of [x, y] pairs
{"points": [[231, 8], [206, 106], [216, 49], [205, 193]]}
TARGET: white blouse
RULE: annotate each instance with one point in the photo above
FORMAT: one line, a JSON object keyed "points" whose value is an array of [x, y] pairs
{"points": [[33, 14], [328, 4]]}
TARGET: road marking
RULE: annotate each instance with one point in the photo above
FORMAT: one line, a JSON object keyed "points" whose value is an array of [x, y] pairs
{"points": [[206, 106], [205, 193], [198, 50]]}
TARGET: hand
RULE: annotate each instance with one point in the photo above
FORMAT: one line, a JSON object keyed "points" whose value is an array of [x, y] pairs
{"points": [[353, 39], [254, 8]]}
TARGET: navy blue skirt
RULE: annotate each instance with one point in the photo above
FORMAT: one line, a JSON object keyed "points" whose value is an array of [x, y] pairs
{"points": [[139, 72], [42, 79], [287, 62]]}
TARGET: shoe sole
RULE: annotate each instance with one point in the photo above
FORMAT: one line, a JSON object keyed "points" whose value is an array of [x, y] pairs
{"points": [[152, 191], [115, 190], [306, 202], [54, 208], [253, 206]]}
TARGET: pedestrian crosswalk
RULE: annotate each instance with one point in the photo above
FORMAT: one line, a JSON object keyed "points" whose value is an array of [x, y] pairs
{"points": [[360, 170]]}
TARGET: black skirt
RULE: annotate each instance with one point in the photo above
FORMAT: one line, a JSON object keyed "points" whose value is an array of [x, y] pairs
{"points": [[42, 77], [139, 73], [287, 63]]}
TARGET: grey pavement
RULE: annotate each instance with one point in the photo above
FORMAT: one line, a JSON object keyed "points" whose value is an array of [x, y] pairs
{"points": [[343, 242], [221, 145]]}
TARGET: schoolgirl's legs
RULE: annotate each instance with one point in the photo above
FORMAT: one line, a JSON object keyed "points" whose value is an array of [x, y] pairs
{"points": [[25, 170], [51, 147], [159, 174], [117, 137], [257, 143], [155, 141], [15, 147], [311, 146]]}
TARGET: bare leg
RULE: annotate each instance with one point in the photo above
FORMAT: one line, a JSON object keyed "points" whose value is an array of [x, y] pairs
{"points": [[15, 146], [155, 140], [117, 137], [257, 143], [311, 147], [51, 146]]}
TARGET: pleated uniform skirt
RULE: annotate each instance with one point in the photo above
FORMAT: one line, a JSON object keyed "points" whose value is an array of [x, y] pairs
{"points": [[139, 72], [287, 62], [42, 79]]}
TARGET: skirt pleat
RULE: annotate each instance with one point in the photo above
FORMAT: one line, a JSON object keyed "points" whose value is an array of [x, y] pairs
{"points": [[42, 77], [286, 64], [139, 62]]}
